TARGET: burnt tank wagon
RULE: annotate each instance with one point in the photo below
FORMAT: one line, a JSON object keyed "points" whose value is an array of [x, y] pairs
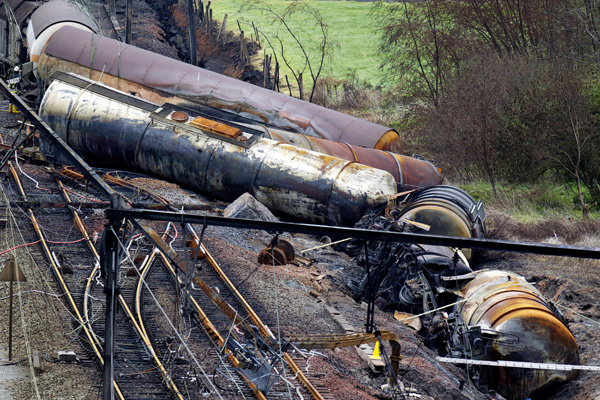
{"points": [[224, 137]]}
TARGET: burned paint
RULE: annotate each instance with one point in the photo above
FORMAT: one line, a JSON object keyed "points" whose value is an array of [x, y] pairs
{"points": [[292, 181], [508, 305]]}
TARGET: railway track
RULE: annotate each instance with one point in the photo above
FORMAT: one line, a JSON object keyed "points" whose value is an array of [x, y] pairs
{"points": [[218, 326], [161, 352]]}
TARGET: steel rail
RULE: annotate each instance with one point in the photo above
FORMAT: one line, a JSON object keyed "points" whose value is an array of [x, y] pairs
{"points": [[214, 334], [169, 255], [257, 321], [71, 302], [364, 234], [210, 329], [77, 161], [141, 333], [222, 305], [53, 138]]}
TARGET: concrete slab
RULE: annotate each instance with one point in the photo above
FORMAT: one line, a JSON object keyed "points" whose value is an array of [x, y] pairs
{"points": [[8, 374]]}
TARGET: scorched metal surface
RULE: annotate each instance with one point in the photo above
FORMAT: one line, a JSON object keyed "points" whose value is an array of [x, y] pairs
{"points": [[289, 180]]}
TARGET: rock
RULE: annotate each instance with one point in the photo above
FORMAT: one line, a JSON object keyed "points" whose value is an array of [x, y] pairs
{"points": [[246, 206]]}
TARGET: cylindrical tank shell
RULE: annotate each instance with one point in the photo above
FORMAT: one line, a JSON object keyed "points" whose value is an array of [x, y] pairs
{"points": [[161, 79], [447, 211], [297, 182], [530, 331], [48, 19], [409, 173]]}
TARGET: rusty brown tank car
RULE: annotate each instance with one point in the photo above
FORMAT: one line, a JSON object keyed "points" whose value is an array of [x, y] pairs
{"points": [[161, 79], [527, 327]]}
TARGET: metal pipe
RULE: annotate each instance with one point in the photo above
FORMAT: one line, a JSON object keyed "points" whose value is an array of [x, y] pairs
{"points": [[292, 181], [161, 79]]}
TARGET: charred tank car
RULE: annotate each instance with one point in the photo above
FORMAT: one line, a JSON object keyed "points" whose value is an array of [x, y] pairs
{"points": [[479, 315]]}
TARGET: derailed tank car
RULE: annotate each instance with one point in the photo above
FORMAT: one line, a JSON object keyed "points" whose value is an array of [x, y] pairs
{"points": [[301, 160], [162, 79], [476, 315], [223, 163]]}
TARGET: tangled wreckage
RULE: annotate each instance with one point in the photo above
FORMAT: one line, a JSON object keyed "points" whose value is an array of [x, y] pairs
{"points": [[115, 103]]}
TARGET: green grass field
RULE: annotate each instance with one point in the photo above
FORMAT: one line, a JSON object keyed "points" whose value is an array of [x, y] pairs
{"points": [[349, 24]]}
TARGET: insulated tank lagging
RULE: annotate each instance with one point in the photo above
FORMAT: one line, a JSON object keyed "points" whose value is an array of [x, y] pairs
{"points": [[409, 172], [446, 210], [162, 79], [292, 181]]}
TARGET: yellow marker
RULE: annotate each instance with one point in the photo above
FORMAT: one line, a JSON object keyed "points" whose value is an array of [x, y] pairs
{"points": [[12, 109], [375, 355]]}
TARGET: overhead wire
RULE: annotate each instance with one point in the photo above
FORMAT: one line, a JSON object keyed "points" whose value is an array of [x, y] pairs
{"points": [[229, 375], [167, 317], [276, 293]]}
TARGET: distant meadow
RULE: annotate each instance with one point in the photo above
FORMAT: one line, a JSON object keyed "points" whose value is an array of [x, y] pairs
{"points": [[350, 24]]}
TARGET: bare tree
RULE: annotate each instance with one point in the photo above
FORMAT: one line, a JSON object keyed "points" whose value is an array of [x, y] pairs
{"points": [[491, 122], [419, 46], [574, 135], [288, 45]]}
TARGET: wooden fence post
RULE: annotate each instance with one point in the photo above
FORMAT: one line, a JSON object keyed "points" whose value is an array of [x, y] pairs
{"points": [[300, 86], [223, 30]]}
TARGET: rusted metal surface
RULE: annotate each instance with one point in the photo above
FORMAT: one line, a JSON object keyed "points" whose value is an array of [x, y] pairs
{"points": [[161, 79], [281, 253], [180, 116], [288, 180], [353, 339], [508, 304], [408, 172], [444, 210], [216, 127], [84, 324]]}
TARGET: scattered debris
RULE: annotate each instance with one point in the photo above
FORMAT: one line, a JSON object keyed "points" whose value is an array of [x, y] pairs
{"points": [[66, 356], [281, 253]]}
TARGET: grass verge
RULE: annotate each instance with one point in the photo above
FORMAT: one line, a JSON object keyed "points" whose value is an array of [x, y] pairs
{"points": [[349, 24], [530, 203]]}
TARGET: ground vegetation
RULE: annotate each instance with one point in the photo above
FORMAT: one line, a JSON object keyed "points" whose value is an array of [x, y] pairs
{"points": [[504, 90]]}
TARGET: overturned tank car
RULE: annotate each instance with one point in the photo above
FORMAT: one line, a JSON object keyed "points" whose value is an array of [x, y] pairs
{"points": [[476, 315], [224, 137], [219, 160]]}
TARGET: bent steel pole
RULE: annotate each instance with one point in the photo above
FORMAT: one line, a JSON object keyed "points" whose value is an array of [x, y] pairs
{"points": [[365, 234]]}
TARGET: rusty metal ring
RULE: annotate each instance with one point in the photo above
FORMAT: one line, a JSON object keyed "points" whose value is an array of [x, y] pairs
{"points": [[180, 116]]}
